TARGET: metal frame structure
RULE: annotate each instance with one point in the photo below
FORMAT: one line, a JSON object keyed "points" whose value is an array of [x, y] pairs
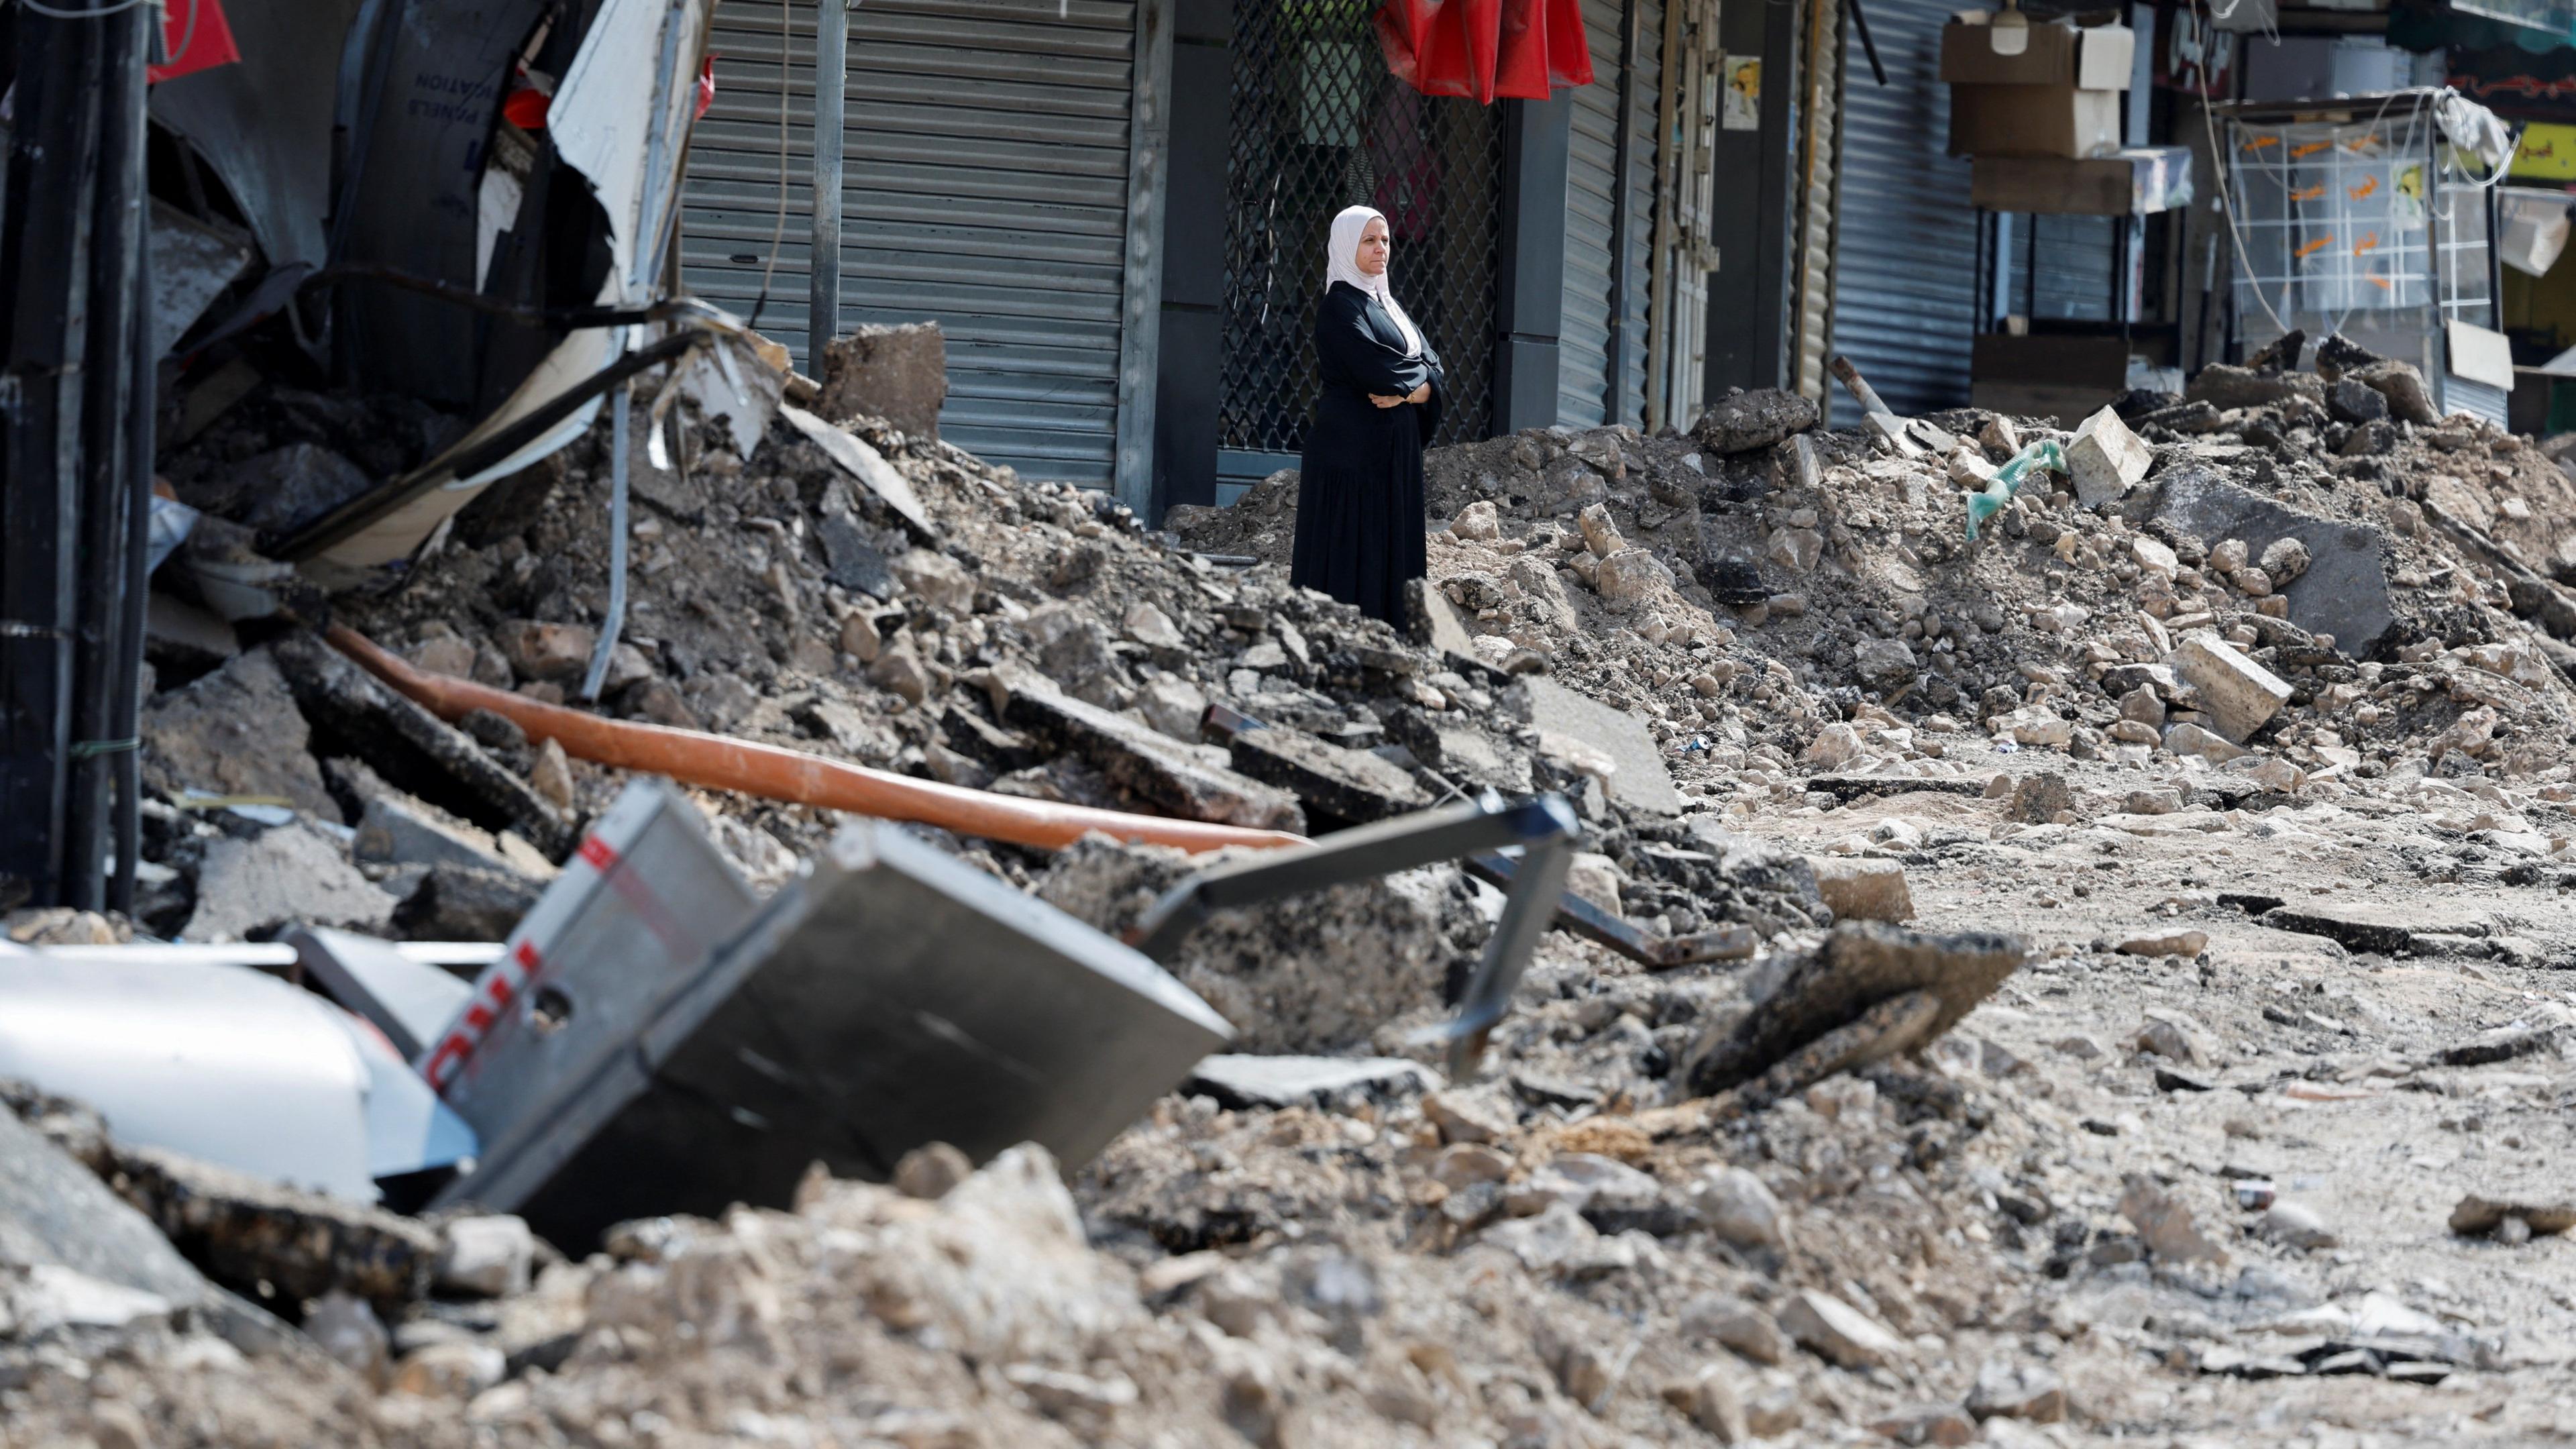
{"points": [[2353, 216], [1542, 828], [2354, 208], [1318, 124]]}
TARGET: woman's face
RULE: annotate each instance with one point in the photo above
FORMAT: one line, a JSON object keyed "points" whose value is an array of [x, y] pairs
{"points": [[1374, 248]]}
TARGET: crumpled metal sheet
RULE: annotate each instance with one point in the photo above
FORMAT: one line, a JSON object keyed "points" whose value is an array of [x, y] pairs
{"points": [[889, 997], [264, 123], [223, 1063], [603, 125], [417, 160], [192, 263]]}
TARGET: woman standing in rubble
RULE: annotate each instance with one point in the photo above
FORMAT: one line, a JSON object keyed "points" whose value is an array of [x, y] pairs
{"points": [[1359, 485]]}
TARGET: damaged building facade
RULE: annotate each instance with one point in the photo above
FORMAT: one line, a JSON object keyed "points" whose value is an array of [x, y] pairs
{"points": [[616, 838], [1115, 214]]}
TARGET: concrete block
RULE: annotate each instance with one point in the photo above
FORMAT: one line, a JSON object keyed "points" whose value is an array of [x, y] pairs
{"points": [[2240, 695], [2106, 459], [1350, 784], [1149, 766], [2184, 738], [897, 373], [286, 874], [397, 830], [489, 1256], [235, 731], [1863, 890]]}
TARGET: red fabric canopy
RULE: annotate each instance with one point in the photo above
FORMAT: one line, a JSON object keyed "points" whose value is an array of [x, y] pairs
{"points": [[1485, 48]]}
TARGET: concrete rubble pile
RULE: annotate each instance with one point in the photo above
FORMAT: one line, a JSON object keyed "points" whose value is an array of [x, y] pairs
{"points": [[2113, 949]]}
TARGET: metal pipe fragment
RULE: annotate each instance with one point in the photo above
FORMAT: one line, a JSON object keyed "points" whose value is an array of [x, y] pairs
{"points": [[715, 762]]}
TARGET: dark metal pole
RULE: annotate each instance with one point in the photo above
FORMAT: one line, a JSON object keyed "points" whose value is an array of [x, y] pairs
{"points": [[831, 88], [125, 708], [1614, 399], [110, 465], [44, 297]]}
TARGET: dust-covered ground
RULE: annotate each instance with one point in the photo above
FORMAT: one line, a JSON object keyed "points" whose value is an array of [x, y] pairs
{"points": [[2265, 1141]]}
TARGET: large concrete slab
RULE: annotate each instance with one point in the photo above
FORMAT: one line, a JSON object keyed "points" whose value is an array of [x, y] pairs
{"points": [[1640, 778], [2345, 589]]}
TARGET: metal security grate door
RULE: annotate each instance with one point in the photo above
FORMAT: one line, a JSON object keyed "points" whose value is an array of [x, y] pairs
{"points": [[1595, 209], [1319, 125], [987, 161], [1905, 236]]}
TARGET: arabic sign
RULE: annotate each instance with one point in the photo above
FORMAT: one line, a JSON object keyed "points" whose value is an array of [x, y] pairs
{"points": [[2516, 83], [2547, 153]]}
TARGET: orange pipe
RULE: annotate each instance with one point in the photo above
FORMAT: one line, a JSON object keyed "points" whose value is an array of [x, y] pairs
{"points": [[776, 773]]}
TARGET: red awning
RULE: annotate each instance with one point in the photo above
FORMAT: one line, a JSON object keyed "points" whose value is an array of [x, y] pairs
{"points": [[1485, 48]]}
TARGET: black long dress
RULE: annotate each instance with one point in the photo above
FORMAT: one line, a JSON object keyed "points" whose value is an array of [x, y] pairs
{"points": [[1359, 485]]}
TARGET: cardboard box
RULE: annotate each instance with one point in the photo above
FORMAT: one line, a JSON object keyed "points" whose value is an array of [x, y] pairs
{"points": [[2136, 182], [2056, 53], [2016, 120]]}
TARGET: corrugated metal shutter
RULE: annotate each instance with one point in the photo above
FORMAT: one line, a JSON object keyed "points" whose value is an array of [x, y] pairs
{"points": [[1592, 210], [1905, 243], [2062, 267], [985, 189]]}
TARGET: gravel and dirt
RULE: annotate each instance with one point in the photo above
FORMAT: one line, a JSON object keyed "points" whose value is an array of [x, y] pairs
{"points": [[2266, 1140]]}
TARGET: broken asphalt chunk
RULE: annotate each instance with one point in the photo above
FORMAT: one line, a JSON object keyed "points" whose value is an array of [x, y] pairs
{"points": [[55, 1212], [1151, 766], [1638, 776], [1578, 916], [2344, 590], [2503, 1044], [254, 1235], [2350, 927], [1345, 784], [2479, 1214], [1814, 1020], [412, 748]]}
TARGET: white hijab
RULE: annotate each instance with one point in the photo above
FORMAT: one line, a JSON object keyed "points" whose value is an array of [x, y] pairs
{"points": [[1343, 266]]}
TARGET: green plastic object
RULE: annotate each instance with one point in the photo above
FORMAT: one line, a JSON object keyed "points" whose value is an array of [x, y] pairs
{"points": [[1990, 501]]}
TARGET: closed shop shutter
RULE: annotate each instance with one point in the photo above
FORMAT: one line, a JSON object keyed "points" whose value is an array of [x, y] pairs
{"points": [[1593, 210], [1905, 239], [984, 188], [2061, 268]]}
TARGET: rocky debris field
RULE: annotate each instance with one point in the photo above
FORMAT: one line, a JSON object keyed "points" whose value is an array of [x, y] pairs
{"points": [[2150, 1024]]}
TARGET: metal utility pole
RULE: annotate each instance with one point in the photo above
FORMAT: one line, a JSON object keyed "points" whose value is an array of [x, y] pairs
{"points": [[75, 444], [117, 407], [831, 88]]}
